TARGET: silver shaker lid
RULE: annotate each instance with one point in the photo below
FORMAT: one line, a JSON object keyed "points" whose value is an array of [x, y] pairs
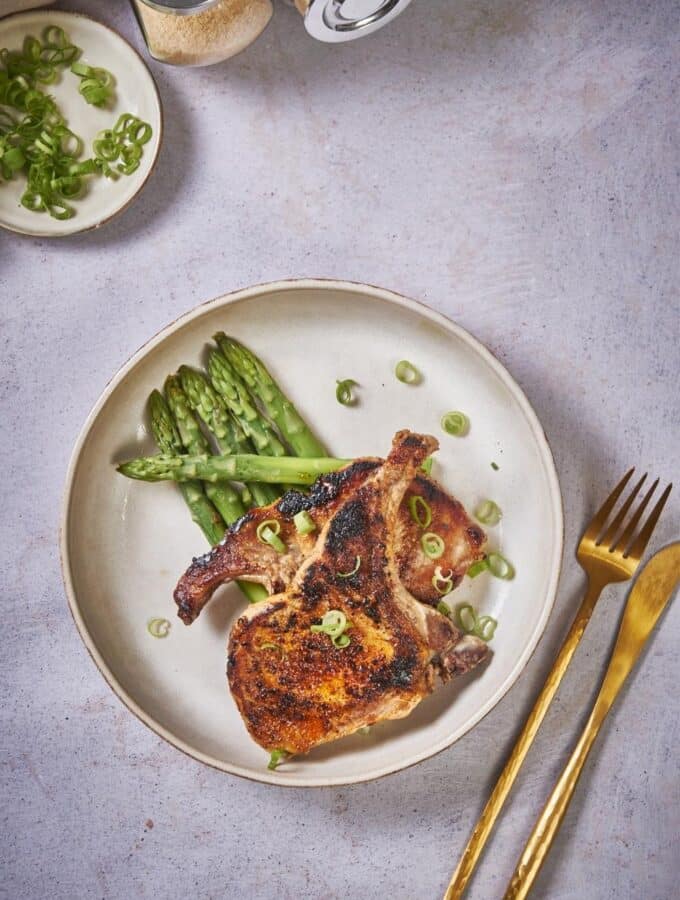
{"points": [[334, 21]]}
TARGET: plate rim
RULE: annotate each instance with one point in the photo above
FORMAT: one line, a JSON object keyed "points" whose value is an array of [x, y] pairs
{"points": [[161, 126], [244, 294]]}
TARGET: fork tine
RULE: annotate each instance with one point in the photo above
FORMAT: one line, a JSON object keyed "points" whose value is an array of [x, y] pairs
{"points": [[599, 520], [614, 528], [627, 536], [642, 539]]}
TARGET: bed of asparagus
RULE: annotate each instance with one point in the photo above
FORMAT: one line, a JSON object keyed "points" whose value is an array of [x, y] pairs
{"points": [[254, 429]]}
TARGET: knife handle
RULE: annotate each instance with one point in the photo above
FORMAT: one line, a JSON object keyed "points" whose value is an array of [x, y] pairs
{"points": [[641, 615]]}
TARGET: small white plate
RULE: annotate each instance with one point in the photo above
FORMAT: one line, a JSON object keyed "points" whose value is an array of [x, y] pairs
{"points": [[136, 93], [124, 543]]}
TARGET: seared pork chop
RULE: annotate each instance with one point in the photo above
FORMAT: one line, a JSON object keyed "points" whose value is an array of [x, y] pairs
{"points": [[296, 687], [241, 555]]}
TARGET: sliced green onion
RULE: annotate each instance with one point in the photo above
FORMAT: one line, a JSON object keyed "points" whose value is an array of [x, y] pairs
{"points": [[38, 143], [106, 145], [357, 566], [455, 423], [443, 584], [495, 466], [158, 628], [268, 533], [96, 85], [420, 509], [343, 392], [407, 373], [486, 628], [466, 618], [444, 608], [269, 537], [433, 546], [477, 568], [56, 37], [276, 757], [488, 513], [427, 465], [270, 645], [500, 567], [139, 132], [304, 523], [334, 623]]}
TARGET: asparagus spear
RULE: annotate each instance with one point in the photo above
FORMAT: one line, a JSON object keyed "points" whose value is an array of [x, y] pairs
{"points": [[260, 430], [210, 408], [223, 495], [242, 467], [278, 407], [167, 437]]}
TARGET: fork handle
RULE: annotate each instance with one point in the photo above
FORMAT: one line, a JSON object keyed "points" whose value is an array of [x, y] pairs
{"points": [[495, 803]]}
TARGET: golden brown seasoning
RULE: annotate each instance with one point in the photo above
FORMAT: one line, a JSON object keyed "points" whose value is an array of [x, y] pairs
{"points": [[206, 37]]}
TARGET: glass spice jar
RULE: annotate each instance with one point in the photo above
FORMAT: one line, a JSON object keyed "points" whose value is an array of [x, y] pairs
{"points": [[200, 32]]}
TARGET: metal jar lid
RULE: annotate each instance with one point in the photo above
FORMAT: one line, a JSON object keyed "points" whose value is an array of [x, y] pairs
{"points": [[180, 7], [334, 21]]}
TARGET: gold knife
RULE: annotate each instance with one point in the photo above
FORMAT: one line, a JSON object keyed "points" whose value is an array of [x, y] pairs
{"points": [[647, 600]]}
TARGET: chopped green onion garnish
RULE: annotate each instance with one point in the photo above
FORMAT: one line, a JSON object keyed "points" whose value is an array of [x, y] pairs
{"points": [[488, 513], [158, 628], [443, 584], [477, 568], [495, 466], [270, 645], [467, 618], [500, 567], [357, 566], [276, 757], [420, 509], [343, 392], [486, 627], [427, 465], [304, 523], [444, 608], [455, 423], [36, 141], [407, 373], [96, 85], [268, 533], [433, 546], [334, 623]]}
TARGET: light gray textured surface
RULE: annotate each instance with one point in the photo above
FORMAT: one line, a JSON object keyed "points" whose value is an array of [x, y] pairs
{"points": [[512, 164]]}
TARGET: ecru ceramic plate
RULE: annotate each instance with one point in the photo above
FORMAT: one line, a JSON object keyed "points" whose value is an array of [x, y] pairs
{"points": [[135, 93], [124, 543]]}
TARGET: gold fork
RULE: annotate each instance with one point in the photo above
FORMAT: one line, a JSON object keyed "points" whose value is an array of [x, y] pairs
{"points": [[608, 554]]}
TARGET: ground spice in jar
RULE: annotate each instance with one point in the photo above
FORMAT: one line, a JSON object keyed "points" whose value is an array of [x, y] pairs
{"points": [[204, 37]]}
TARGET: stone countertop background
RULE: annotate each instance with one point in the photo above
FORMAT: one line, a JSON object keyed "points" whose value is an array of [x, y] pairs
{"points": [[512, 164]]}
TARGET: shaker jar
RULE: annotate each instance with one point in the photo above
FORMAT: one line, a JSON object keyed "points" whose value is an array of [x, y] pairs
{"points": [[200, 32]]}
